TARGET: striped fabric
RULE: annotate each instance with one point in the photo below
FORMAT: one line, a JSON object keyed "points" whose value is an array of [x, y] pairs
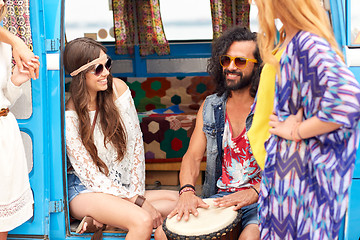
{"points": [[304, 192]]}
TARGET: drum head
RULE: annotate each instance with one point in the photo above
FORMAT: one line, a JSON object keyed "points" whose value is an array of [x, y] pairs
{"points": [[211, 220]]}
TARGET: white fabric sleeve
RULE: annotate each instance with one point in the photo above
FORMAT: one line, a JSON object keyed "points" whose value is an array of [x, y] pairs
{"points": [[12, 92]]}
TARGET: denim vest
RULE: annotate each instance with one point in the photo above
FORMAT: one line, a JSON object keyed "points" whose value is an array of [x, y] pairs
{"points": [[213, 127]]}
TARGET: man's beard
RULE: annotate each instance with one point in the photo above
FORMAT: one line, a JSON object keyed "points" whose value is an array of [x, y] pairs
{"points": [[244, 81]]}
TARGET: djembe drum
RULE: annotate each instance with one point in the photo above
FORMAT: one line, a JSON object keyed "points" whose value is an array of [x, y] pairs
{"points": [[211, 223]]}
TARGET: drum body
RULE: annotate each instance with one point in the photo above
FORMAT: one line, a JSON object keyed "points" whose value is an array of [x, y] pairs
{"points": [[211, 223]]}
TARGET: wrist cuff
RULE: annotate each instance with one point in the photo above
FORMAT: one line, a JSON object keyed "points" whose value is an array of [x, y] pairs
{"points": [[140, 200]]}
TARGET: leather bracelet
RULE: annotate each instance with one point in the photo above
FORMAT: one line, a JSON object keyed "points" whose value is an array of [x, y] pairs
{"points": [[187, 185], [140, 200], [255, 190]]}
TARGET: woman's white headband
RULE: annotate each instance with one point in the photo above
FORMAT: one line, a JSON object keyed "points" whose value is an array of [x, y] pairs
{"points": [[93, 62]]}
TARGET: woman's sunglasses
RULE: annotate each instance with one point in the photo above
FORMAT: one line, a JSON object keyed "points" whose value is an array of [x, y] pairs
{"points": [[240, 62], [100, 67]]}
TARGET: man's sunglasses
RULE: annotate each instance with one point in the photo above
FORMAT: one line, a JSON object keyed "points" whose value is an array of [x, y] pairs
{"points": [[240, 62], [100, 67]]}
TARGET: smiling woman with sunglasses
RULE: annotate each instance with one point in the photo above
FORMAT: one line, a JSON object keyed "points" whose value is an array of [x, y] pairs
{"points": [[106, 180]]}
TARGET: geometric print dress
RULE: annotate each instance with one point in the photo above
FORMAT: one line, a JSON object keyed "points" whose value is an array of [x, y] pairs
{"points": [[305, 185]]}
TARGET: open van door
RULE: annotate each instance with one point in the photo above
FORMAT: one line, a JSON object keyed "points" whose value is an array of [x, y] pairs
{"points": [[39, 115]]}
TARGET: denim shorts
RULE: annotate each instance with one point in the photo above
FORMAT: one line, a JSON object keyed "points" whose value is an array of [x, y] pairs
{"points": [[249, 213], [75, 187]]}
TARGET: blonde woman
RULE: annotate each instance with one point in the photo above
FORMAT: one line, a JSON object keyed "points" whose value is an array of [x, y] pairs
{"points": [[310, 153], [16, 199]]}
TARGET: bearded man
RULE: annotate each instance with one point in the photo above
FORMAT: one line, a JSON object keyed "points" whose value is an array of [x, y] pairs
{"points": [[232, 174]]}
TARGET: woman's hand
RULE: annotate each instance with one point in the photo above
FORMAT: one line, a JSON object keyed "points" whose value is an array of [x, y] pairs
{"points": [[25, 58], [284, 129], [18, 77], [155, 214]]}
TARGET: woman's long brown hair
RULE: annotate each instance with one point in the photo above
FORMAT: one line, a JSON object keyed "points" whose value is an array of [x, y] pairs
{"points": [[77, 53]]}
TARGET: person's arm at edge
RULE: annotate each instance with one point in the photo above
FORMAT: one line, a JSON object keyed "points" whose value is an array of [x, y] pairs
{"points": [[314, 127], [8, 37], [22, 54], [305, 129]]}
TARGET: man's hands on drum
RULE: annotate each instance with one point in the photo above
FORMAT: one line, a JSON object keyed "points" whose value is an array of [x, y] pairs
{"points": [[187, 204], [155, 214], [238, 199]]}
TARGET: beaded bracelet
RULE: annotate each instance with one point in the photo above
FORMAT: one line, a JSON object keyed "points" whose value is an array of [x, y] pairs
{"points": [[187, 189], [186, 186]]}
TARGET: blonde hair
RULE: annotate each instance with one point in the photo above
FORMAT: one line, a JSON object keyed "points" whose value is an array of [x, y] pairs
{"points": [[307, 15], [2, 12]]}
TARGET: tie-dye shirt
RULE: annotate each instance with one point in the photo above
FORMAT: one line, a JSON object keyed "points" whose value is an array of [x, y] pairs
{"points": [[239, 168]]}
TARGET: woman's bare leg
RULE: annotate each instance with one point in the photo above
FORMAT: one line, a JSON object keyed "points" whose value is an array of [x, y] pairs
{"points": [[163, 200], [113, 211], [3, 235]]}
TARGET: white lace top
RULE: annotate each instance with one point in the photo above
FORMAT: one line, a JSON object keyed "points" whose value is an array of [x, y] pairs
{"points": [[126, 178]]}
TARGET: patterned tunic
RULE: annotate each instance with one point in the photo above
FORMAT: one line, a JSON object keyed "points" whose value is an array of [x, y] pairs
{"points": [[304, 190]]}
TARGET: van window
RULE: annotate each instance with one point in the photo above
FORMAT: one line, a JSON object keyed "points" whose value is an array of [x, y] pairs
{"points": [[254, 22], [182, 20], [186, 19], [94, 19], [355, 21]]}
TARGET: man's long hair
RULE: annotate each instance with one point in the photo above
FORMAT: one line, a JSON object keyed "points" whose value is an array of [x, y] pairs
{"points": [[77, 53], [220, 47]]}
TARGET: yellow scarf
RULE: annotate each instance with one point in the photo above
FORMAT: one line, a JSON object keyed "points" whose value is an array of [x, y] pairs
{"points": [[259, 131]]}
